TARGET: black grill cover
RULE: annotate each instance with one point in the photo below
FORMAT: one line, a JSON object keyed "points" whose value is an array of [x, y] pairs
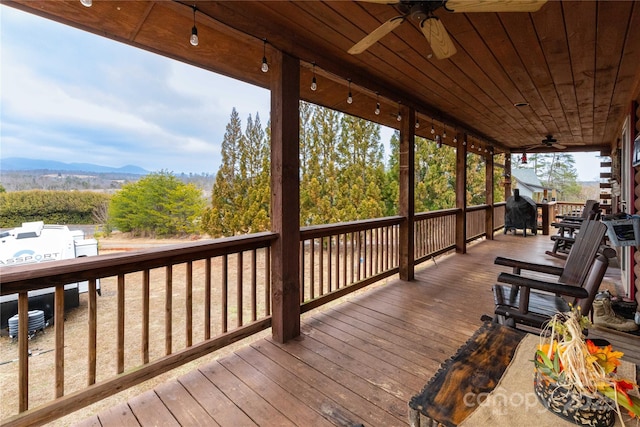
{"points": [[520, 213]]}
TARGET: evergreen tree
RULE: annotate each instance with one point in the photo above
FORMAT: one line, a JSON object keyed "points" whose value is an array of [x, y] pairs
{"points": [[435, 176], [221, 218], [157, 205], [476, 179], [361, 170]]}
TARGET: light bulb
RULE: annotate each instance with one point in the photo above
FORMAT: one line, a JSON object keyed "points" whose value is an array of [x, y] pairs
{"points": [[314, 84], [455, 139], [433, 131], [86, 3], [349, 98], [265, 66], [399, 117], [377, 109], [417, 123], [194, 36], [444, 134]]}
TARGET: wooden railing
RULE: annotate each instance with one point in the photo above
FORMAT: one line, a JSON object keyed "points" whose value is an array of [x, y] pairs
{"points": [[499, 210], [341, 258], [434, 233], [568, 208], [174, 304], [476, 222]]}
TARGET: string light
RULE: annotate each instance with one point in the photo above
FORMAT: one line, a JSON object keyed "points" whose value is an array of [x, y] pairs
{"points": [[455, 138], [417, 123], [444, 133], [265, 66], [377, 111], [399, 117], [314, 83], [433, 130], [349, 96], [194, 31]]}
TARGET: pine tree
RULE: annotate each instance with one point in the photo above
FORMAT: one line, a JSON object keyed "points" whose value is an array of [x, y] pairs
{"points": [[221, 219]]}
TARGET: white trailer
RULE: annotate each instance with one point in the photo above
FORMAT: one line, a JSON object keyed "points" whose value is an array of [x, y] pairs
{"points": [[35, 242]]}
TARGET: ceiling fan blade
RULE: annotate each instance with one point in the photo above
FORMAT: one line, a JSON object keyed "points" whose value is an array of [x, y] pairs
{"points": [[494, 5], [376, 35], [438, 38], [559, 146]]}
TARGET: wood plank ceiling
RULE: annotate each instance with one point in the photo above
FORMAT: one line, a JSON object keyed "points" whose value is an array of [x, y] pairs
{"points": [[576, 64]]}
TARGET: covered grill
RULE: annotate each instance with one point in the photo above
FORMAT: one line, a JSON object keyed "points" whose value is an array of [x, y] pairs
{"points": [[520, 213]]}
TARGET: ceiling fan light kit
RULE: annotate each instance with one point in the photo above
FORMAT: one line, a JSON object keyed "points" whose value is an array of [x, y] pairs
{"points": [[432, 28]]}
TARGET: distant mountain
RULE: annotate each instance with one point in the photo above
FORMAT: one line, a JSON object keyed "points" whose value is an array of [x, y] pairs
{"points": [[20, 163]]}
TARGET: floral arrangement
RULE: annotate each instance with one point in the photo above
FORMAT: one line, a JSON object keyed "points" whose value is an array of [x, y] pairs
{"points": [[565, 357]]}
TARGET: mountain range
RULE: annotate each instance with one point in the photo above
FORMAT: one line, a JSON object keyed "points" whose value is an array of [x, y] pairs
{"points": [[21, 163]]}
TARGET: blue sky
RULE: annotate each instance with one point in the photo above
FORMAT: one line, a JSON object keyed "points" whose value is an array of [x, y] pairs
{"points": [[71, 96]]}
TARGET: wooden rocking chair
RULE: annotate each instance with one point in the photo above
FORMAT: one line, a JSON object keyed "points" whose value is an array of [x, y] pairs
{"points": [[531, 302]]}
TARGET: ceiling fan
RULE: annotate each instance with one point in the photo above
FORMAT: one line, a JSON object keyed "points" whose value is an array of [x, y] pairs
{"points": [[430, 25], [548, 142]]}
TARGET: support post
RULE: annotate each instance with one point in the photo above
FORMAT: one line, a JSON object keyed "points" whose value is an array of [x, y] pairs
{"points": [[407, 190], [489, 168], [461, 196], [285, 196], [507, 175]]}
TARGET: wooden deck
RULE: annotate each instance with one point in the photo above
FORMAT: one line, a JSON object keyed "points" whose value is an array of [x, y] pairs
{"points": [[356, 363]]}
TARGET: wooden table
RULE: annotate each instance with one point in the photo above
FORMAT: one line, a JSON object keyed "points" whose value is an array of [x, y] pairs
{"points": [[476, 368]]}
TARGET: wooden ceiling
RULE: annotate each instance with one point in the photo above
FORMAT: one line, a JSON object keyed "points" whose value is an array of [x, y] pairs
{"points": [[575, 63]]}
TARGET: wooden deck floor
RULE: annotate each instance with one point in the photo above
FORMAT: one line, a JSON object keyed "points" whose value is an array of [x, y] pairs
{"points": [[358, 363]]}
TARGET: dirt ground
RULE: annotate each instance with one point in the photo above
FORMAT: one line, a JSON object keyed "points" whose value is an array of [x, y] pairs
{"points": [[41, 346]]}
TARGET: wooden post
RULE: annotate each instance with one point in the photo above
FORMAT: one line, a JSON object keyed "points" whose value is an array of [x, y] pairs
{"points": [[507, 175], [489, 196], [461, 196], [407, 187], [285, 196]]}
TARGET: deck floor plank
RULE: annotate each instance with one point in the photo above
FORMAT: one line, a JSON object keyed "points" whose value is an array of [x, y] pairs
{"points": [[358, 362], [305, 391], [252, 404], [281, 399], [183, 406], [150, 411], [223, 410], [118, 415]]}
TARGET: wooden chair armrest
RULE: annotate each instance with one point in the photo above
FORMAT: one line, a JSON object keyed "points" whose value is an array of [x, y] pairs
{"points": [[556, 288], [518, 266]]}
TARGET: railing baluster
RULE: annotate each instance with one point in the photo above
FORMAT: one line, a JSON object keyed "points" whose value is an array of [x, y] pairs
{"points": [[267, 280], [189, 305], [207, 298], [239, 289], [337, 257], [93, 333], [120, 322], [145, 315], [23, 352], [224, 293], [59, 331], [312, 268], [254, 286], [302, 270], [168, 310], [321, 267], [329, 270]]}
